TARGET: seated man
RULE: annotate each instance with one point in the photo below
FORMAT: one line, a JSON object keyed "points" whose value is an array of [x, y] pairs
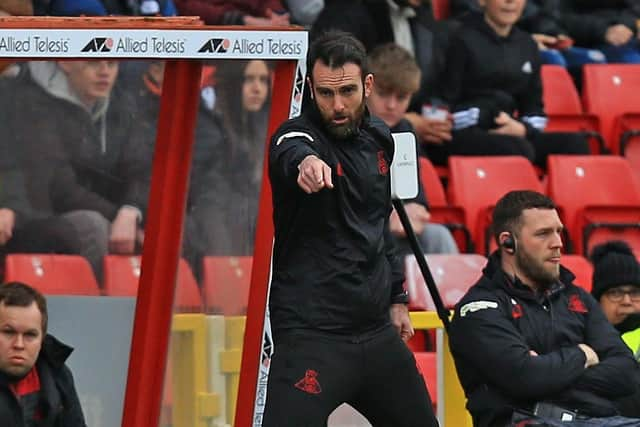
{"points": [[616, 285], [84, 157], [23, 229], [529, 346], [36, 387], [396, 78]]}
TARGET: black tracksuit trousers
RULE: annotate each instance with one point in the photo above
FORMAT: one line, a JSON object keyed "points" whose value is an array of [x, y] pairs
{"points": [[312, 373]]}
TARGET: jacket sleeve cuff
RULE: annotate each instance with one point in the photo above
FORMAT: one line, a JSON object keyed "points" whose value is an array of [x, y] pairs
{"points": [[531, 132], [400, 298]]}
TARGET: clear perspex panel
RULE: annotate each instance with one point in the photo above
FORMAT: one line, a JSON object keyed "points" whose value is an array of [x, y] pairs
{"points": [[79, 114]]}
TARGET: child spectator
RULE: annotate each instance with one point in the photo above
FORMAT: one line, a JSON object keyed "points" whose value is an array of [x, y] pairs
{"points": [[493, 85], [396, 77]]}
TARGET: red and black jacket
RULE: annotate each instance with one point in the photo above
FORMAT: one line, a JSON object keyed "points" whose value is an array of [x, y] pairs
{"points": [[334, 266], [499, 321], [59, 404]]}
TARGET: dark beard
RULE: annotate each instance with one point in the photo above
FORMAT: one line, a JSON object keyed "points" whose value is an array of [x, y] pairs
{"points": [[348, 129], [528, 266]]}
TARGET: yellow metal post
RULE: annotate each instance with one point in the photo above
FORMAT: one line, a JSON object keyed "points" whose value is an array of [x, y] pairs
{"points": [[453, 399], [193, 405], [230, 360]]}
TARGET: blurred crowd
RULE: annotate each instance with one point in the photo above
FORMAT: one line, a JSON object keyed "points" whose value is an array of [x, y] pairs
{"points": [[77, 136]]}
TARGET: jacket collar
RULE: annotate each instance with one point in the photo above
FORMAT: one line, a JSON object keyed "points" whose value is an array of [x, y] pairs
{"points": [[476, 20], [55, 351], [515, 287]]}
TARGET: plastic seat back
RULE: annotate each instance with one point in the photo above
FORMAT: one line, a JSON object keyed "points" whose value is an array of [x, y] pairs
{"points": [[441, 211], [428, 365], [52, 274], [226, 281], [609, 91], [122, 273], [477, 183], [598, 197], [453, 274], [559, 94], [431, 183], [581, 267]]}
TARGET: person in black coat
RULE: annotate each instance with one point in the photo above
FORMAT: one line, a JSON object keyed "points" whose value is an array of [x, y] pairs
{"points": [[492, 84], [530, 346], [337, 307], [36, 386]]}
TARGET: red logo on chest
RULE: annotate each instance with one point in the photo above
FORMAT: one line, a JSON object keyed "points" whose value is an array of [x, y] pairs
{"points": [[383, 167], [339, 170], [516, 311], [576, 304]]}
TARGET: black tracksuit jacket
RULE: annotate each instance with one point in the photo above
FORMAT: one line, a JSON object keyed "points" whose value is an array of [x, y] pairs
{"points": [[498, 322], [334, 266], [493, 74]]}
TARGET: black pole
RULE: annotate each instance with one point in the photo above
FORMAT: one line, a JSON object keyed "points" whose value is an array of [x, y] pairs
{"points": [[443, 313]]}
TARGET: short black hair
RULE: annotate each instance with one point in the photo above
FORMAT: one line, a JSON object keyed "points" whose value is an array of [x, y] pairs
{"points": [[336, 48], [17, 294], [507, 215]]}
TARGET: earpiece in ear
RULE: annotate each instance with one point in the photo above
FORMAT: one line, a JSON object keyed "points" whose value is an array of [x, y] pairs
{"points": [[509, 244]]}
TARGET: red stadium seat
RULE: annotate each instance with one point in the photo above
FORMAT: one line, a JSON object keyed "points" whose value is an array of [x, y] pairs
{"points": [[453, 274], [610, 91], [632, 154], [581, 267], [122, 272], [52, 274], [226, 281], [441, 212], [598, 197], [428, 366], [476, 184], [563, 107]]}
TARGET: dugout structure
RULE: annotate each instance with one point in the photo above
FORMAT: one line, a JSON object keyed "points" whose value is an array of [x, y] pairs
{"points": [[183, 42]]}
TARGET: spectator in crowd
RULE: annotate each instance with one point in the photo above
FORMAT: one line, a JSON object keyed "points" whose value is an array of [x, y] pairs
{"points": [[16, 7], [336, 291], [82, 156], [616, 284], [396, 77], [36, 386], [22, 229], [304, 12], [543, 20], [105, 7], [236, 12], [410, 24], [610, 26], [243, 100], [205, 231], [530, 347], [493, 85], [7, 8]]}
